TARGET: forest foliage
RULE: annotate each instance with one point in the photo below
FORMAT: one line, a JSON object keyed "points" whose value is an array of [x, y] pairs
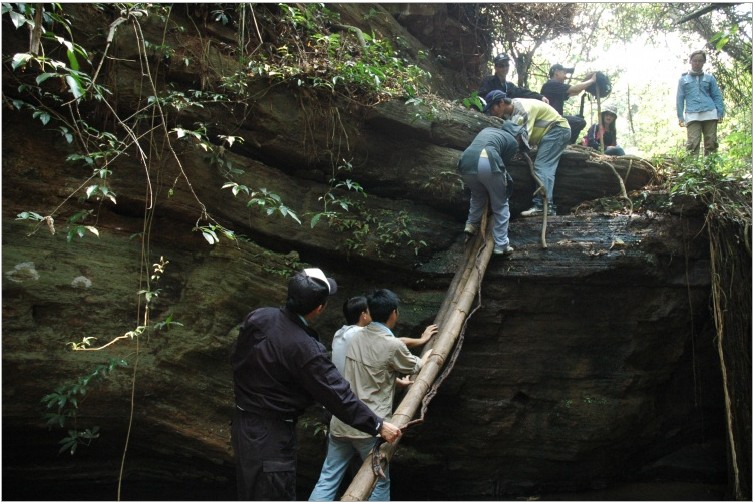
{"points": [[59, 82]]}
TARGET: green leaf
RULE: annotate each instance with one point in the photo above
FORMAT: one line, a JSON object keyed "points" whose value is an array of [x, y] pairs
{"points": [[72, 56], [43, 116], [294, 216], [44, 76], [210, 236], [75, 86], [18, 19], [29, 215], [315, 219]]}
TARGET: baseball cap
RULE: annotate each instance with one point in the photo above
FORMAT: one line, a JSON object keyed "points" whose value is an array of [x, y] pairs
{"points": [[308, 289], [494, 96], [557, 67], [501, 58], [316, 273]]}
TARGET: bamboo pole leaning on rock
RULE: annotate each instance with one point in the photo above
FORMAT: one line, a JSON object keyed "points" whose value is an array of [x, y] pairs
{"points": [[451, 319]]}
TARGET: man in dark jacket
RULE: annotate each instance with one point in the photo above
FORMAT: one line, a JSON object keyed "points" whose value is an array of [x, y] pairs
{"points": [[499, 82], [279, 369]]}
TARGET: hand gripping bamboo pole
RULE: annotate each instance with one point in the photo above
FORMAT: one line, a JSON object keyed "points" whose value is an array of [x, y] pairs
{"points": [[450, 319]]}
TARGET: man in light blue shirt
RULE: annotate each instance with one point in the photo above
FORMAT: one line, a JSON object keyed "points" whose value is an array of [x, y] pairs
{"points": [[356, 312]]}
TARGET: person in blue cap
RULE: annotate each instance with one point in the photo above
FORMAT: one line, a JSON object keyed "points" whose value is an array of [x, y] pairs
{"points": [[483, 168], [545, 128]]}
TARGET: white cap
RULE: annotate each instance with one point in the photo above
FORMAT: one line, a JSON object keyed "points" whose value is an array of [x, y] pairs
{"points": [[317, 273]]}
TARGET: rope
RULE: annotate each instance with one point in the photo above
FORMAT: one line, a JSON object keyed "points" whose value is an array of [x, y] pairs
{"points": [[546, 200], [623, 192]]}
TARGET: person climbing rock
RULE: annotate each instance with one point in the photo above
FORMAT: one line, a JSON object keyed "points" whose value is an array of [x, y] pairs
{"points": [[545, 128], [375, 358], [482, 167]]}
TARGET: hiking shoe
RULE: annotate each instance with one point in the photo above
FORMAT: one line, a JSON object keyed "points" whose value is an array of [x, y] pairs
{"points": [[503, 250], [470, 229], [537, 211]]}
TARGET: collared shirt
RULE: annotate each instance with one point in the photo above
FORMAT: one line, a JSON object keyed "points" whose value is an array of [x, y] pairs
{"points": [[698, 93], [374, 360], [340, 343], [537, 117], [701, 116]]}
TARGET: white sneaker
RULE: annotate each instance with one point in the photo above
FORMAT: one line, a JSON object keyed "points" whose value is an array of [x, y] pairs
{"points": [[503, 250], [470, 229], [537, 211]]}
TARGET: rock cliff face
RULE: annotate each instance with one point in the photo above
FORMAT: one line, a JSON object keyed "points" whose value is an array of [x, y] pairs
{"points": [[588, 364]]}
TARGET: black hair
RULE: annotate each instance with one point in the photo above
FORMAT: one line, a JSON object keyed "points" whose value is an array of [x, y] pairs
{"points": [[695, 53], [353, 308], [613, 126], [305, 294], [381, 304]]}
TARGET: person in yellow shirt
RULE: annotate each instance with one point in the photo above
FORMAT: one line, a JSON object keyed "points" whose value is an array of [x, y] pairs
{"points": [[547, 129]]}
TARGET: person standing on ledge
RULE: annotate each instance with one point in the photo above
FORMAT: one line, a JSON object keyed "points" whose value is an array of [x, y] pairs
{"points": [[498, 82], [700, 106], [557, 91], [279, 369]]}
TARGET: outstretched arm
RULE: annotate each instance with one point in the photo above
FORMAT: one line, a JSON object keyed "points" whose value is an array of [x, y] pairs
{"points": [[577, 88], [417, 342]]}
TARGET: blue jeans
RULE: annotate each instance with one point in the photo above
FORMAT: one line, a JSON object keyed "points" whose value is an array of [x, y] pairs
{"points": [[614, 150], [484, 186], [548, 156], [340, 451]]}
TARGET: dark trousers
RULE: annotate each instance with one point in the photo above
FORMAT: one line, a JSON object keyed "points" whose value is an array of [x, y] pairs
{"points": [[577, 124], [265, 457]]}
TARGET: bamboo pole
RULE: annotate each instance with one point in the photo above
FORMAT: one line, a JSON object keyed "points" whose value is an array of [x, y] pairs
{"points": [[450, 320], [461, 277]]}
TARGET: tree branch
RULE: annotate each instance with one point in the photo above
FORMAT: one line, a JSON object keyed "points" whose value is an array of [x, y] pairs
{"points": [[704, 10]]}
